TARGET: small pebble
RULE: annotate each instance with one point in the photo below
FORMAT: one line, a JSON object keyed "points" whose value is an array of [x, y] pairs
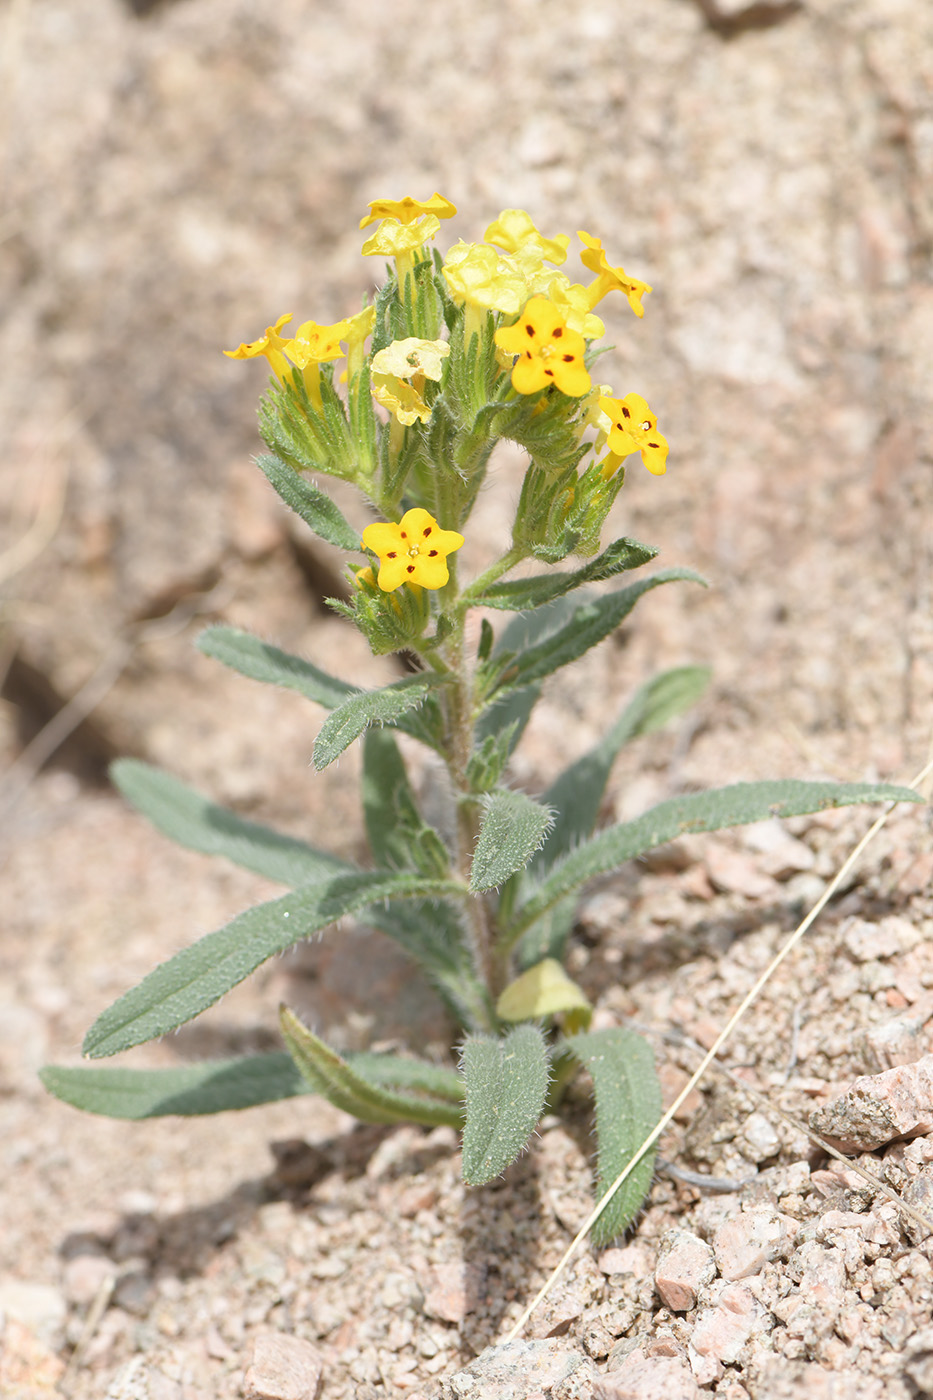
{"points": [[878, 1108], [283, 1368]]}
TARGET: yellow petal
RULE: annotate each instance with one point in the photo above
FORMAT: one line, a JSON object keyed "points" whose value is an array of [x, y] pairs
{"points": [[407, 209], [541, 991]]}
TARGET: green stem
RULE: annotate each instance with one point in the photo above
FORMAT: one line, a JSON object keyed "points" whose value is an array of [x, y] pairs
{"points": [[473, 595]]}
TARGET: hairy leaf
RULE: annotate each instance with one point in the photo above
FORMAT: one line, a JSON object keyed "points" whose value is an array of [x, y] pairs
{"points": [[315, 508], [519, 594], [399, 838], [628, 1106], [588, 625], [262, 662], [369, 707], [512, 829], [700, 811], [349, 1087], [187, 817], [178, 990], [506, 1085], [213, 1086]]}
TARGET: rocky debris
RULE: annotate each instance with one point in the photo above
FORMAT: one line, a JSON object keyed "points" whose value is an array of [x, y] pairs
{"points": [[900, 1039], [723, 1328], [646, 1377], [685, 1265], [751, 1238], [736, 872], [866, 941], [38, 1306], [517, 1370], [778, 1379], [447, 1291], [878, 1108], [283, 1368], [28, 1368]]}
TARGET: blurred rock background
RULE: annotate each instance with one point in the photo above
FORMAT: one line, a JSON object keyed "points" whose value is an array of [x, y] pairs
{"points": [[177, 174]]}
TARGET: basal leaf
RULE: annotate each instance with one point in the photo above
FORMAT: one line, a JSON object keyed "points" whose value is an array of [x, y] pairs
{"points": [[313, 506], [187, 817], [213, 1086], [369, 707], [700, 811], [628, 1106], [262, 662], [348, 1086], [517, 595], [513, 827], [506, 1085], [192, 980]]}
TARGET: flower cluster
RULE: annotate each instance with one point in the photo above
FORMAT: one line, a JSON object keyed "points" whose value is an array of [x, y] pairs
{"points": [[495, 335]]}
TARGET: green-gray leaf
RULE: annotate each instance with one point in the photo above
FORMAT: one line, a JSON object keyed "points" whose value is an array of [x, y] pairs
{"points": [[348, 1085], [178, 990], [512, 829], [187, 817], [589, 624], [628, 1106], [506, 1085], [519, 594], [214, 1086], [369, 707], [263, 662], [700, 811], [315, 508]]}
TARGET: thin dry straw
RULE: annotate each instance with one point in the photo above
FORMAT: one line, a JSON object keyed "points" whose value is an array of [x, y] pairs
{"points": [[710, 1056]]}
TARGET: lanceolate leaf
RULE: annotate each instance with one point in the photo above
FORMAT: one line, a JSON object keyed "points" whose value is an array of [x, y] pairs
{"points": [[369, 707], [512, 829], [352, 1088], [628, 1106], [177, 990], [263, 662], [213, 1086], [589, 624], [506, 1085], [182, 814], [315, 508], [701, 811], [522, 593]]}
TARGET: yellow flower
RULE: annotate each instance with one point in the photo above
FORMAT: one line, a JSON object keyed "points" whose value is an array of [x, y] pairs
{"points": [[271, 345], [358, 328], [610, 279], [412, 359], [479, 277], [407, 358], [634, 429], [413, 551], [514, 232], [401, 241], [548, 352], [407, 209], [572, 300], [311, 346]]}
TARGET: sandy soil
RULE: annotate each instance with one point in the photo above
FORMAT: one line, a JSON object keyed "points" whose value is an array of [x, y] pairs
{"points": [[176, 179]]}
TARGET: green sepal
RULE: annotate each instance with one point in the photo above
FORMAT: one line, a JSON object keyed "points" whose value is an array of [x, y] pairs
{"points": [[517, 595], [261, 661], [367, 707], [488, 761], [213, 1086], [348, 1086], [701, 811], [184, 985], [506, 1087], [185, 816], [305, 437], [544, 990], [512, 828], [628, 1107], [389, 621]]}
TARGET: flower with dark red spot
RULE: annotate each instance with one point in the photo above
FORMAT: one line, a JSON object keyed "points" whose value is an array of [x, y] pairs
{"points": [[413, 551], [548, 352], [634, 429]]}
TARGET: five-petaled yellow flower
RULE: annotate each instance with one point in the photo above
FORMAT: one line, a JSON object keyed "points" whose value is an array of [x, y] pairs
{"points": [[404, 210], [610, 279], [271, 345], [413, 551], [548, 353], [634, 429]]}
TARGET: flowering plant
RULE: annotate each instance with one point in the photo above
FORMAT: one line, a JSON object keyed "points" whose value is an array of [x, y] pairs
{"points": [[494, 342]]}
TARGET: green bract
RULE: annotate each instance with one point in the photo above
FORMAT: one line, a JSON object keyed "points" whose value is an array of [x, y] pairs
{"points": [[494, 344]]}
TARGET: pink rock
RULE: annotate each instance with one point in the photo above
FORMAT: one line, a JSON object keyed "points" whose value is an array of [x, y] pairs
{"points": [[283, 1368], [642, 1377], [877, 1108], [736, 873], [722, 1331], [745, 1242], [685, 1265], [446, 1295]]}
